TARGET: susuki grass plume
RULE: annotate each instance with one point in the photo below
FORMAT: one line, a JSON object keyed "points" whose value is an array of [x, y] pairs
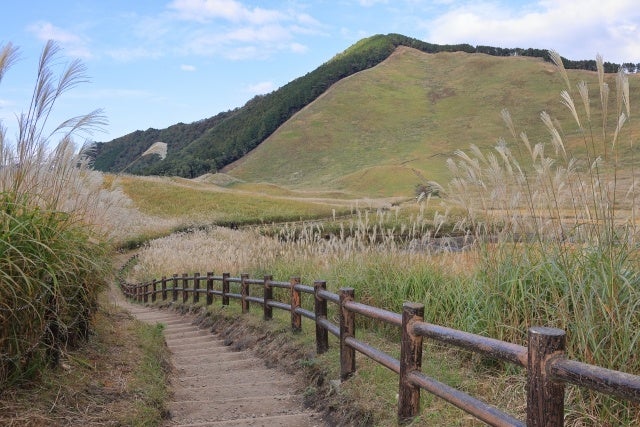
{"points": [[558, 219], [52, 264]]}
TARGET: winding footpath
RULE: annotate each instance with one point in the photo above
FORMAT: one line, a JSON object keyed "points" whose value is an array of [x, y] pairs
{"points": [[212, 385]]}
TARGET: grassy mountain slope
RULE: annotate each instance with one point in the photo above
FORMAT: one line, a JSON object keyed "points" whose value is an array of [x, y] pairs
{"points": [[213, 143], [388, 128], [210, 144]]}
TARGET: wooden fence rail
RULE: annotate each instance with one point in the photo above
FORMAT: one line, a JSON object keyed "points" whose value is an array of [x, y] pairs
{"points": [[547, 368]]}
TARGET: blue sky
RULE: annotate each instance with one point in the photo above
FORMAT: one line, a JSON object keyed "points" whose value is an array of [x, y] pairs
{"points": [[154, 63]]}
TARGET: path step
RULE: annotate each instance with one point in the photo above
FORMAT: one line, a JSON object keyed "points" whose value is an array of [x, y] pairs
{"points": [[215, 386]]}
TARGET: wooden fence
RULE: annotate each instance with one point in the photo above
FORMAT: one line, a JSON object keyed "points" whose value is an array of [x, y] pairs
{"points": [[548, 370]]}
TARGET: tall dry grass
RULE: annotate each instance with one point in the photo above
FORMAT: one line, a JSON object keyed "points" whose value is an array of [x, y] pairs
{"points": [[558, 222], [52, 260]]}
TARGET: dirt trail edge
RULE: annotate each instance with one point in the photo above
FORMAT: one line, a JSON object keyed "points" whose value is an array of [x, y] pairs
{"points": [[213, 385]]}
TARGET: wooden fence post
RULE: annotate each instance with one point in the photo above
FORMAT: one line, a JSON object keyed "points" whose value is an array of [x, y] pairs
{"points": [[174, 291], [267, 297], [410, 360], [209, 288], [154, 288], [145, 296], [347, 329], [164, 288], [545, 398], [244, 292], [139, 289], [196, 288], [320, 309], [296, 319], [225, 288], [185, 287]]}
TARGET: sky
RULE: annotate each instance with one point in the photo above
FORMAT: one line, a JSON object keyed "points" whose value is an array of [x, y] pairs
{"points": [[154, 63]]}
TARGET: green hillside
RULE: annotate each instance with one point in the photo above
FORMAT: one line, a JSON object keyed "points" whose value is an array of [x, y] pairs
{"points": [[384, 130], [210, 144]]}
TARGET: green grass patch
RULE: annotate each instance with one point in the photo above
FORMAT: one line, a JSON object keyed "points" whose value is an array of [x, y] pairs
{"points": [[149, 383], [204, 203]]}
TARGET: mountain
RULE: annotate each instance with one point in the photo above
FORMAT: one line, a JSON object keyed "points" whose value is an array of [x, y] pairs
{"points": [[211, 144], [392, 127]]}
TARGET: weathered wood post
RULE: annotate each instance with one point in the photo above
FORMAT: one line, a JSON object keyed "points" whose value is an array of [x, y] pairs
{"points": [[410, 360], [296, 319], [545, 397], [185, 287], [225, 288], [145, 296], [347, 329], [174, 291], [267, 296], [209, 287], [154, 288], [196, 288], [320, 309], [164, 288], [244, 292], [139, 292]]}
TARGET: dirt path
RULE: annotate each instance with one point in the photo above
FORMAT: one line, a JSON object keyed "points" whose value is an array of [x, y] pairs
{"points": [[215, 386]]}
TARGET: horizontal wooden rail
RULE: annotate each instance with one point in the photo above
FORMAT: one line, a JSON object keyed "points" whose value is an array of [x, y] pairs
{"points": [[603, 380], [374, 354], [280, 305], [493, 348], [331, 327], [306, 313], [475, 407], [548, 370], [374, 313]]}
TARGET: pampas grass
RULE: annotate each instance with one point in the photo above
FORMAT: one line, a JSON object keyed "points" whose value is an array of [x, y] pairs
{"points": [[558, 222], [52, 264]]}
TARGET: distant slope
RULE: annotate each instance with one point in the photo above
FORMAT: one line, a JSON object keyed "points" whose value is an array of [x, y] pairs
{"points": [[210, 144], [384, 130]]}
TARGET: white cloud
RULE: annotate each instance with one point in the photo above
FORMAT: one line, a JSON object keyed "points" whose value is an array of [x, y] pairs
{"points": [[298, 48], [73, 44], [233, 30], [185, 67], [230, 10], [260, 88], [577, 30], [369, 3]]}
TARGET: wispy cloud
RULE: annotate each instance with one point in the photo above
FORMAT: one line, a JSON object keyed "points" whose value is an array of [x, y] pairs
{"points": [[583, 28], [369, 3], [185, 67], [232, 30], [230, 10], [74, 44]]}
